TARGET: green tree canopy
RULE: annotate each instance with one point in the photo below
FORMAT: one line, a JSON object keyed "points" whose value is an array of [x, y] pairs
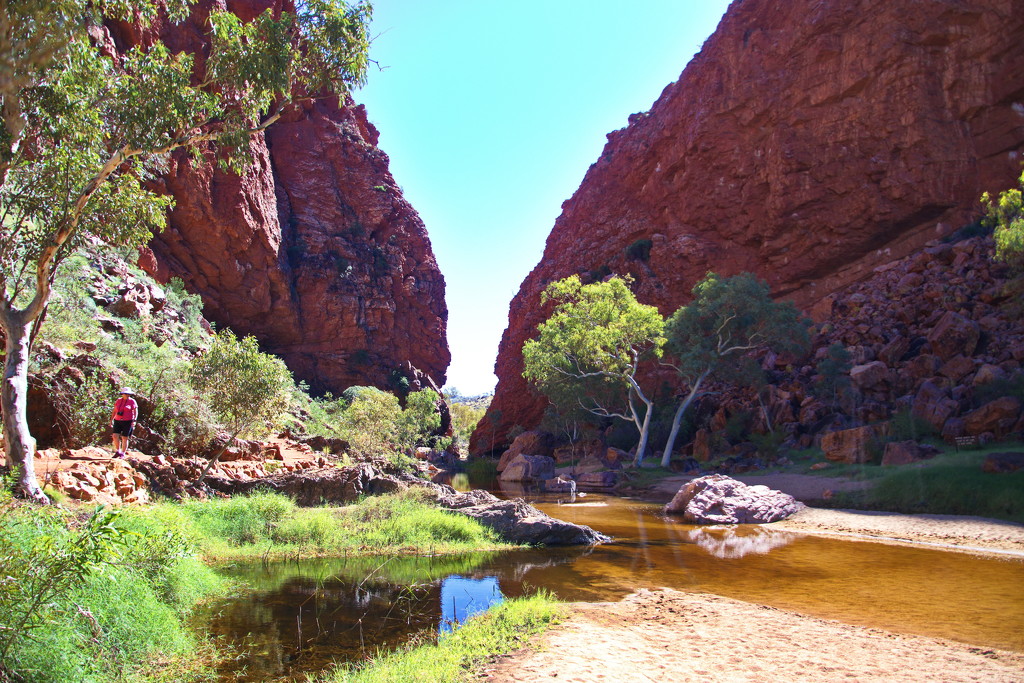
{"points": [[727, 319], [1005, 215], [84, 130], [597, 334]]}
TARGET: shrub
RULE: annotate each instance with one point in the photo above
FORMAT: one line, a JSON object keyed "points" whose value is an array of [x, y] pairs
{"points": [[639, 250]]}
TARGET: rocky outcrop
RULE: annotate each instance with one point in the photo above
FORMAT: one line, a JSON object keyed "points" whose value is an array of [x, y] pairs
{"points": [[808, 142], [312, 248], [718, 499]]}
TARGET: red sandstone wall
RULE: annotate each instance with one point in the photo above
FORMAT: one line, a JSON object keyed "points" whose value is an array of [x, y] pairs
{"points": [[312, 249], [809, 142]]}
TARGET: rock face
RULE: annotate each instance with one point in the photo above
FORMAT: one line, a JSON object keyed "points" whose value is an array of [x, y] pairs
{"points": [[312, 249], [718, 499], [808, 142]]}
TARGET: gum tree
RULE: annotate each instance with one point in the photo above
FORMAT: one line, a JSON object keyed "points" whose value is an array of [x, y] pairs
{"points": [[591, 347], [727, 319], [83, 131]]}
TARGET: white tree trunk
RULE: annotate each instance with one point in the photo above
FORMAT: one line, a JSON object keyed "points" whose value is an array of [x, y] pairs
{"points": [[666, 457], [645, 428], [18, 442]]}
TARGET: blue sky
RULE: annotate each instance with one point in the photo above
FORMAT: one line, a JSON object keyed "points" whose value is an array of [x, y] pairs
{"points": [[491, 113]]}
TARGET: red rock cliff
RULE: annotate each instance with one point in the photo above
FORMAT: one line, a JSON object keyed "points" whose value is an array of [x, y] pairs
{"points": [[809, 142], [313, 249]]}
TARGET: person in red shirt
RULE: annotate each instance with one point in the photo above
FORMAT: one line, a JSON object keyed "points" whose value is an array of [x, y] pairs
{"points": [[126, 411]]}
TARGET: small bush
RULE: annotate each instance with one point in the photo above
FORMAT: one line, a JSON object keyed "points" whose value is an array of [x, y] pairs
{"points": [[639, 250]]}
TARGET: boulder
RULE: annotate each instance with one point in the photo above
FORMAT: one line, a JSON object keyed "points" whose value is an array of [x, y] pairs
{"points": [[718, 499], [997, 416], [933, 405], [516, 521], [988, 373], [954, 334], [134, 303], [529, 468], [904, 453], [957, 367], [854, 445], [869, 375], [527, 443], [1003, 463], [597, 480], [923, 366]]}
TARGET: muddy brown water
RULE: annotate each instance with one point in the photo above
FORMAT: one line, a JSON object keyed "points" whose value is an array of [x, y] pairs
{"points": [[300, 617]]}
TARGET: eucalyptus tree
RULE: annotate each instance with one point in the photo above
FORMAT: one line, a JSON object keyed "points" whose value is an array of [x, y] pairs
{"points": [[591, 347], [85, 129], [727, 319]]}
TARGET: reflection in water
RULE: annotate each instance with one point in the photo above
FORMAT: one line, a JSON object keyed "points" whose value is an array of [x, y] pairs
{"points": [[734, 542], [299, 616], [461, 598]]}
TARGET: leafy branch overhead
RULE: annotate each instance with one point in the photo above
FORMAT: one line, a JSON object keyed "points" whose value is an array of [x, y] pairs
{"points": [[85, 128]]}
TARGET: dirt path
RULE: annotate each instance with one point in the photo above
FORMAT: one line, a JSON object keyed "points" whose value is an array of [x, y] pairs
{"points": [[668, 636]]}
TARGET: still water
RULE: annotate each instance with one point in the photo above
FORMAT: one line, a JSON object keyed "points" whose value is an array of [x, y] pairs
{"points": [[300, 616]]}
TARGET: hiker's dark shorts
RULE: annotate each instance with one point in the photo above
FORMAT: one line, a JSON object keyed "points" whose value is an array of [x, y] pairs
{"points": [[124, 427]]}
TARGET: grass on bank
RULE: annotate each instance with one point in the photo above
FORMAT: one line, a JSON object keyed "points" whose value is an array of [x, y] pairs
{"points": [[271, 526], [952, 483], [455, 655], [83, 599]]}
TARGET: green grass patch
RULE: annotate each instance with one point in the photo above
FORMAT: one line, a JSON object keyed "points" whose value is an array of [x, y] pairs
{"points": [[271, 526], [951, 483], [454, 656]]}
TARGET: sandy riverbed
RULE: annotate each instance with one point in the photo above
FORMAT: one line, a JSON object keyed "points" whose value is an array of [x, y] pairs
{"points": [[669, 636]]}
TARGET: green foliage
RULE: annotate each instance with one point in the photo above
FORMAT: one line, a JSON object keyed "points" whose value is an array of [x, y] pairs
{"points": [[84, 133], [950, 484], [464, 420], [590, 348], [728, 318], [270, 525], [1007, 386], [598, 274], [639, 250], [904, 426], [716, 335], [104, 597], [1005, 215], [244, 387], [374, 423], [457, 655], [86, 408]]}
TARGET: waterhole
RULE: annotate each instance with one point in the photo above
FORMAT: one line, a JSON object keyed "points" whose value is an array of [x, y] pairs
{"points": [[299, 617]]}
